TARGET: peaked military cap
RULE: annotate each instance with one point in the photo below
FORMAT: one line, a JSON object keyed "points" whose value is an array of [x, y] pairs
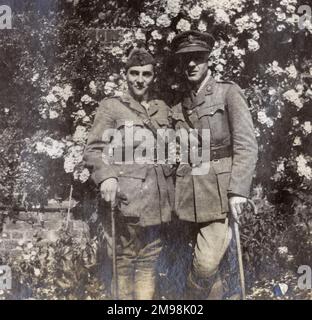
{"points": [[139, 56], [192, 41]]}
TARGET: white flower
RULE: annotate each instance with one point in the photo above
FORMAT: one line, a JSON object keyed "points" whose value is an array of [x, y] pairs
{"points": [[51, 98], [290, 258], [255, 35], [238, 52], [300, 88], [280, 167], [245, 23], [80, 114], [84, 175], [145, 20], [53, 114], [275, 69], [26, 257], [221, 16], [86, 99], [292, 71], [288, 2], [173, 7], [295, 121], [255, 17], [195, 12], [282, 250], [297, 141], [67, 92], [183, 25], [92, 87], [37, 272], [80, 135], [281, 16], [73, 157], [291, 9], [264, 119], [170, 37], [309, 93], [86, 119], [63, 93], [116, 51], [253, 45], [139, 35], [156, 35], [151, 48], [293, 96], [35, 77], [75, 174], [202, 26], [302, 167], [307, 127], [109, 87], [280, 27], [272, 91], [293, 20], [53, 148], [219, 68], [229, 6], [163, 21]]}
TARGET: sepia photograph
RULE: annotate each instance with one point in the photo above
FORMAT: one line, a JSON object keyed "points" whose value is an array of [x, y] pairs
{"points": [[156, 150]]}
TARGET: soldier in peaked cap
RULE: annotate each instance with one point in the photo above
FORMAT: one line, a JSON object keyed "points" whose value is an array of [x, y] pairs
{"points": [[147, 187], [204, 199]]}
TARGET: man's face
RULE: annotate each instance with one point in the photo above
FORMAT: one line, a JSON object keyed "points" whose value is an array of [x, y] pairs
{"points": [[195, 66], [140, 79]]}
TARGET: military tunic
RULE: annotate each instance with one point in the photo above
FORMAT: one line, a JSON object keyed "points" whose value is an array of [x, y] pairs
{"points": [[148, 187], [220, 106]]}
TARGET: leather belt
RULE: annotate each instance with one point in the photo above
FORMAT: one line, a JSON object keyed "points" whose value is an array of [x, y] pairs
{"points": [[223, 152]]}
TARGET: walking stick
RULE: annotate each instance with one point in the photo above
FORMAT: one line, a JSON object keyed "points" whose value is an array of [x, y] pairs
{"points": [[239, 251], [114, 279], [240, 260]]}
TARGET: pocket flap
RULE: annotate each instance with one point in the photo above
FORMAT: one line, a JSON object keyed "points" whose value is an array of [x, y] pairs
{"points": [[178, 116], [222, 165], [128, 123], [210, 110], [162, 122], [134, 170]]}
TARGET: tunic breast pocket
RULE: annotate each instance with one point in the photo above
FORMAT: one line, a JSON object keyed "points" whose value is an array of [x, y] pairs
{"points": [[178, 120], [162, 122], [122, 124], [217, 118]]}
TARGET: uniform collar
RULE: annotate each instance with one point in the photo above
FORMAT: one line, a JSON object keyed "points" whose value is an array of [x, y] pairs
{"points": [[192, 100], [135, 105], [204, 82]]}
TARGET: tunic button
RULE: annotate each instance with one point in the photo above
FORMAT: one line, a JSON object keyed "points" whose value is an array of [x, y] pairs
{"points": [[189, 112]]}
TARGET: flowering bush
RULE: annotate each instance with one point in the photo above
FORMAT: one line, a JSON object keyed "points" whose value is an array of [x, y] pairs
{"points": [[54, 73], [62, 270]]}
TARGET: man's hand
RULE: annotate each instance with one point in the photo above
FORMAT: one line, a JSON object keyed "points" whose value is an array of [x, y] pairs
{"points": [[109, 189], [236, 206]]}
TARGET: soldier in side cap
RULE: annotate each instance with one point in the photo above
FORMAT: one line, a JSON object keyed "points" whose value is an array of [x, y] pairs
{"points": [[203, 198], [147, 188]]}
